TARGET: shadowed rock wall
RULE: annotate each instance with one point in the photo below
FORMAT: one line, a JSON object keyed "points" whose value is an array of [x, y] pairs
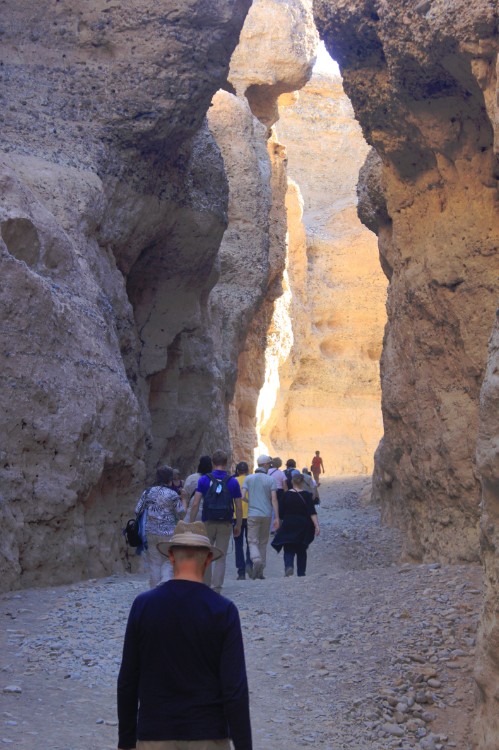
{"points": [[125, 311], [487, 670], [113, 207], [419, 80], [423, 82]]}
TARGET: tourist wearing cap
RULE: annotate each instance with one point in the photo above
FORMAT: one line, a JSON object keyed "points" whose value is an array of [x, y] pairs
{"points": [[182, 681], [261, 491]]}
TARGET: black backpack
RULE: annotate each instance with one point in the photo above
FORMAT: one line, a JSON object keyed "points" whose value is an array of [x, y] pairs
{"points": [[218, 504], [131, 533]]}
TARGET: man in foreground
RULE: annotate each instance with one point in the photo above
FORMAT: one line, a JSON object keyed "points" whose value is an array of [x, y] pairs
{"points": [[182, 683]]}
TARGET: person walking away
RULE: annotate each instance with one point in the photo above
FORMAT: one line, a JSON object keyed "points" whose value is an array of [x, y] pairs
{"points": [[220, 494], [276, 473], [177, 483], [311, 485], [190, 485], [290, 467], [164, 509], [242, 561], [262, 498], [182, 683], [299, 527], [317, 466]]}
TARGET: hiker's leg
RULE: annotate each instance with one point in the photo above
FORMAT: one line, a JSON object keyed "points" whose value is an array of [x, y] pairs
{"points": [[244, 531], [289, 558], [264, 535], [301, 559], [211, 533], [239, 552], [154, 559], [221, 540], [253, 538]]}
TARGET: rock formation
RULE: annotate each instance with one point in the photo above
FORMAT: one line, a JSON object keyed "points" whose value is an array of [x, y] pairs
{"points": [[276, 54], [423, 106], [487, 672], [124, 312], [329, 397], [114, 201], [422, 80]]}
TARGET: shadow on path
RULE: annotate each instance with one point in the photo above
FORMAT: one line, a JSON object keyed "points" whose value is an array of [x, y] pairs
{"points": [[362, 653]]}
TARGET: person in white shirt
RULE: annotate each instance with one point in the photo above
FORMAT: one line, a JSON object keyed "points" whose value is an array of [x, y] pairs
{"points": [[276, 473], [261, 491]]}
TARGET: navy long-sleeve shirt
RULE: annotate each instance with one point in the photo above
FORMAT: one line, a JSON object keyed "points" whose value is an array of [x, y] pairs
{"points": [[183, 674]]}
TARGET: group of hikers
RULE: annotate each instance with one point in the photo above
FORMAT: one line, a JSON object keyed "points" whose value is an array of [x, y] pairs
{"points": [[182, 683], [248, 507]]}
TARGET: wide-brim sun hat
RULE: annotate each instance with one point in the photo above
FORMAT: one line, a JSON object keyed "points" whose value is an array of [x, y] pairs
{"points": [[189, 535]]}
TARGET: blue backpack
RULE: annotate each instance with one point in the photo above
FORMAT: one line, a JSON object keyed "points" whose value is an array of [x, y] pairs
{"points": [[218, 504]]}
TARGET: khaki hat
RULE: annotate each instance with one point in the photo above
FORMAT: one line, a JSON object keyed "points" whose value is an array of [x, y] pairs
{"points": [[189, 535], [261, 460]]}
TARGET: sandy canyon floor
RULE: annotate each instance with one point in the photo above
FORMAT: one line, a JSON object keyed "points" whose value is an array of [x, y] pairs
{"points": [[365, 653]]}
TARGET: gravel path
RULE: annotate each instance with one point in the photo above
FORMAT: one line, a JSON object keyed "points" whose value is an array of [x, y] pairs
{"points": [[363, 654]]}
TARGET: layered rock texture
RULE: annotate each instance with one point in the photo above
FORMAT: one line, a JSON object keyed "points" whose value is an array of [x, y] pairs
{"points": [[422, 80], [125, 309], [329, 397], [114, 204], [487, 672], [276, 54]]}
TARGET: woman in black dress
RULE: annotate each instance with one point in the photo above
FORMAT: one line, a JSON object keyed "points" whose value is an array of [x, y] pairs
{"points": [[299, 526]]}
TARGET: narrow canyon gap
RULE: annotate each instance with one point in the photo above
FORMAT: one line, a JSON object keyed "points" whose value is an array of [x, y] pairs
{"points": [[134, 332]]}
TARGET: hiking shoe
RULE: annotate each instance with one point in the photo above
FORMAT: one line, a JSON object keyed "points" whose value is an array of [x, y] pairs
{"points": [[241, 577], [288, 572], [250, 571]]}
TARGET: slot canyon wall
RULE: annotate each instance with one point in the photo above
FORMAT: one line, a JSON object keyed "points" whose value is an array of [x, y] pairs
{"points": [[113, 207], [329, 397], [422, 83], [125, 308], [276, 54], [422, 78]]}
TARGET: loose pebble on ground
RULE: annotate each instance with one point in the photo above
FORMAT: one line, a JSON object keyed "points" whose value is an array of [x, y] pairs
{"points": [[364, 653]]}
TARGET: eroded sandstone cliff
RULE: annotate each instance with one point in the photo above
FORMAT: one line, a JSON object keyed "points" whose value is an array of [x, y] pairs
{"points": [[329, 397], [125, 312], [423, 82], [419, 79], [276, 54], [114, 201], [487, 673]]}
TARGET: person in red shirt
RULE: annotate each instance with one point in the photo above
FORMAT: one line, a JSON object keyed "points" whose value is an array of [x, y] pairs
{"points": [[317, 466]]}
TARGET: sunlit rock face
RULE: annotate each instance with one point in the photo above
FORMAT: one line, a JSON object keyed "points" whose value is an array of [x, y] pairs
{"points": [[329, 398], [113, 207], [251, 261], [422, 80], [276, 54], [276, 51]]}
